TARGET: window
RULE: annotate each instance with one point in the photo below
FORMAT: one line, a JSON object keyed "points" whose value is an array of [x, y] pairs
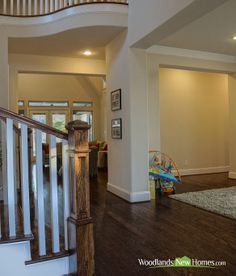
{"points": [[59, 121], [82, 104], [86, 116], [47, 104], [21, 103]]}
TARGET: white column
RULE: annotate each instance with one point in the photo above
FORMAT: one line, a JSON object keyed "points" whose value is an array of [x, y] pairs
{"points": [[153, 103], [128, 157], [138, 124]]}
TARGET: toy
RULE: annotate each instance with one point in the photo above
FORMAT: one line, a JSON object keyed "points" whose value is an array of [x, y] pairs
{"points": [[164, 172]]}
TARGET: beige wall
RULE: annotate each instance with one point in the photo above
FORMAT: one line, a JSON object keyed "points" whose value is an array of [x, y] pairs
{"points": [[70, 88], [232, 124], [128, 157], [194, 118]]}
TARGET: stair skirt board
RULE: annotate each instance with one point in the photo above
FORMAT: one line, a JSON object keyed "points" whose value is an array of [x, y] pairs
{"points": [[14, 256]]}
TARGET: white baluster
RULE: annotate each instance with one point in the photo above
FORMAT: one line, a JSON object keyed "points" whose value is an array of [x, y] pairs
{"points": [[4, 6], [65, 172], [54, 194], [35, 7], [0, 225], [70, 2], [25, 178], [16, 161], [11, 7], [10, 179], [55, 5], [76, 2], [61, 6], [29, 7], [18, 7], [51, 6], [1, 216], [41, 7], [40, 193], [4, 161], [24, 7], [46, 7]]}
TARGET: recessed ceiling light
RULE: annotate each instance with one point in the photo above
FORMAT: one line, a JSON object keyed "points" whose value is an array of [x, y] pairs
{"points": [[234, 37], [87, 53]]}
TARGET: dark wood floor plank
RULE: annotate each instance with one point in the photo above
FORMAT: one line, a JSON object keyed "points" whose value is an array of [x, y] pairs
{"points": [[163, 228]]}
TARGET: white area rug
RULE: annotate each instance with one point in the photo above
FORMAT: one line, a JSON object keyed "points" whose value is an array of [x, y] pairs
{"points": [[220, 201]]}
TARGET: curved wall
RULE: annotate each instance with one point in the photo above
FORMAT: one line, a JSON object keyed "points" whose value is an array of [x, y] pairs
{"points": [[76, 17]]}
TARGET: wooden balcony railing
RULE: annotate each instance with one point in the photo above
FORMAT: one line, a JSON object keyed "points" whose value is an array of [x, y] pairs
{"points": [[44, 7], [27, 179]]}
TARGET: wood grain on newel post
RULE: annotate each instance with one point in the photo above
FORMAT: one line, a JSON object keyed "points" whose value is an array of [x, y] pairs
{"points": [[80, 223]]}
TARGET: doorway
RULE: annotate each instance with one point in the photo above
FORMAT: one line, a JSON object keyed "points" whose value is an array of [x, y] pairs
{"points": [[52, 117]]}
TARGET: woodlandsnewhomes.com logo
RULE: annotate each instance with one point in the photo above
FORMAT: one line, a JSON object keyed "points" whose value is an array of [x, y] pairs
{"points": [[181, 262]]}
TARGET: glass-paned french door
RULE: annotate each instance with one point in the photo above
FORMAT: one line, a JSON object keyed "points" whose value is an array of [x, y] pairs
{"points": [[55, 118]]}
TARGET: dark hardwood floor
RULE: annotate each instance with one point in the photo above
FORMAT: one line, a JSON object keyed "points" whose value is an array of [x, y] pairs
{"points": [[163, 228]]}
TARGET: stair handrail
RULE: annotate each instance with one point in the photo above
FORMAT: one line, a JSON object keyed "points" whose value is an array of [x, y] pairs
{"points": [[77, 220], [5, 113]]}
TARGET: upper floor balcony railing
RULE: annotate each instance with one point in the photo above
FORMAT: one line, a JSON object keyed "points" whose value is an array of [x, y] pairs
{"points": [[44, 7]]}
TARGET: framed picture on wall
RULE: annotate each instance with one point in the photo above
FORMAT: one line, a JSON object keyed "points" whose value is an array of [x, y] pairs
{"points": [[116, 100], [116, 128]]}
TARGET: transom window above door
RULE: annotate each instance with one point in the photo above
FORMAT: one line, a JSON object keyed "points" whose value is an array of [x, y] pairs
{"points": [[48, 104]]}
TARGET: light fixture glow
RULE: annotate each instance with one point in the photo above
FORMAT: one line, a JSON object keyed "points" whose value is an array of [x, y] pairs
{"points": [[87, 53], [234, 37]]}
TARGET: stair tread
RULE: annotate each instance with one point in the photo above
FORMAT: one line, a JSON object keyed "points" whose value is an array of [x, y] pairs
{"points": [[48, 257], [19, 238]]}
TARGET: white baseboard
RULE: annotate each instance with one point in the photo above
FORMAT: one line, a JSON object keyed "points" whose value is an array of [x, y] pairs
{"points": [[130, 197], [221, 169], [232, 175]]}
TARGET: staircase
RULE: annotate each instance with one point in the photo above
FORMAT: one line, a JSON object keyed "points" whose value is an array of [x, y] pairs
{"points": [[45, 223]]}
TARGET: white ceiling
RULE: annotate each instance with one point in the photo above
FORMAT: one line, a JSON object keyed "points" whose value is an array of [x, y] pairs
{"points": [[71, 43], [212, 32]]}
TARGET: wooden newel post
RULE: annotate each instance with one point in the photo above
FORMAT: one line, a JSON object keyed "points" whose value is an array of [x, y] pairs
{"points": [[80, 223]]}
